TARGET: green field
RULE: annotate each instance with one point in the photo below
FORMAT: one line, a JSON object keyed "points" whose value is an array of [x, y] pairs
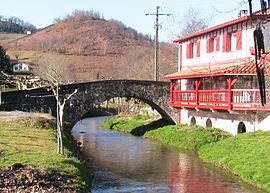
{"points": [[7, 37], [32, 142]]}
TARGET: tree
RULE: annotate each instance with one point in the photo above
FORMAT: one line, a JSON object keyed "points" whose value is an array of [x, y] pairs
{"points": [[52, 71], [4, 61], [192, 21], [61, 100]]}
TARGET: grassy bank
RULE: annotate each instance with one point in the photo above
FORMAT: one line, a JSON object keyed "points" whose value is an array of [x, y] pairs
{"points": [[245, 155], [185, 137], [31, 141], [131, 125]]}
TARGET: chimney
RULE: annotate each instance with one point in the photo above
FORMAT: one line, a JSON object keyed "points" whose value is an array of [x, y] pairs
{"points": [[243, 12]]}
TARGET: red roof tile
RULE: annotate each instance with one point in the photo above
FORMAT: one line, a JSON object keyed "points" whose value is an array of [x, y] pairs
{"points": [[247, 68]]}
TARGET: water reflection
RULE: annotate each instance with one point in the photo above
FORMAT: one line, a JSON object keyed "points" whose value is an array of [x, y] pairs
{"points": [[124, 163]]}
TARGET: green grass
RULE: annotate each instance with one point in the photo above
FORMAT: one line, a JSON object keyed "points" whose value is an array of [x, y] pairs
{"points": [[6, 37], [32, 142], [183, 136], [246, 155], [127, 124], [186, 137]]}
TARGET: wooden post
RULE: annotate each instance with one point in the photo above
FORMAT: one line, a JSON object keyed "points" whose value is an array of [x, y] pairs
{"points": [[231, 82], [197, 84], [171, 91]]}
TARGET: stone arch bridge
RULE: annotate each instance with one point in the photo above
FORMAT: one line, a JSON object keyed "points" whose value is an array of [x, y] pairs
{"points": [[90, 94]]}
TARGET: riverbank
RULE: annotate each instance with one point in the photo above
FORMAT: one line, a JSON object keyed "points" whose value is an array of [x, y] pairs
{"points": [[184, 136], [245, 155], [28, 158]]}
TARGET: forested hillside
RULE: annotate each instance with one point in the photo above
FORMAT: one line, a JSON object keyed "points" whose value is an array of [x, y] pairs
{"points": [[15, 25]]}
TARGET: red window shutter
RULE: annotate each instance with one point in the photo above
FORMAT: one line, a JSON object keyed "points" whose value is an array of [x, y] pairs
{"points": [[188, 50], [191, 48], [211, 44], [226, 43], [229, 42], [207, 45], [239, 40], [198, 48], [217, 43]]}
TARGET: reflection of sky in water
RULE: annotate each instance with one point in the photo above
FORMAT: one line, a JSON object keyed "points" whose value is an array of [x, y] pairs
{"points": [[124, 163]]}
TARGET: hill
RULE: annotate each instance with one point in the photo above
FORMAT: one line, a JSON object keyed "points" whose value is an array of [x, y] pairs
{"points": [[91, 48]]}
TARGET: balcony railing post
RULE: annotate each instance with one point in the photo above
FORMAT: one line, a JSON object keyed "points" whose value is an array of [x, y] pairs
{"points": [[231, 82], [197, 84], [171, 91]]}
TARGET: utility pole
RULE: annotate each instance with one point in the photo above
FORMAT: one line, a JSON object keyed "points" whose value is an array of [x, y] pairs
{"points": [[157, 25]]}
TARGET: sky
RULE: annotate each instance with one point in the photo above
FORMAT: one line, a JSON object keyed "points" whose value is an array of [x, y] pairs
{"points": [[41, 13]]}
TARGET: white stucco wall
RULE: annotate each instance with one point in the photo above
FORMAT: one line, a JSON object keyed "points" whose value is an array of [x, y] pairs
{"points": [[20, 67], [218, 56], [225, 120]]}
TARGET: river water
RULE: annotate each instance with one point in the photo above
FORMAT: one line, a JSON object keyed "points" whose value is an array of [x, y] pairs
{"points": [[123, 163]]}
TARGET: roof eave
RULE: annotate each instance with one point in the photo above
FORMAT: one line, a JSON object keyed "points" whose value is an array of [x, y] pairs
{"points": [[177, 77], [208, 30]]}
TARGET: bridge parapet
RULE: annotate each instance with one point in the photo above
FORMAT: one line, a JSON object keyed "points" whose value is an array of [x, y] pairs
{"points": [[90, 94]]}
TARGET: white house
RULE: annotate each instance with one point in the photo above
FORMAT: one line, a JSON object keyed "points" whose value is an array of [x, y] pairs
{"points": [[216, 82], [20, 67]]}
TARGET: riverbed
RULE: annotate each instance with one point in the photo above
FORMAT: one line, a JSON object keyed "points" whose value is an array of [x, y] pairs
{"points": [[128, 164]]}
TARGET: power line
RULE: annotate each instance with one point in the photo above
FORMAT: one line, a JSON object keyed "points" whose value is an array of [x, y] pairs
{"points": [[232, 10], [157, 25]]}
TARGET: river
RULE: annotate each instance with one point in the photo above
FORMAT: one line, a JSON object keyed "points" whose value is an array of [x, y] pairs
{"points": [[123, 163]]}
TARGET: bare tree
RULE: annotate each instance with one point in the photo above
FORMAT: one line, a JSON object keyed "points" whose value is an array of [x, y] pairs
{"points": [[55, 74], [192, 21]]}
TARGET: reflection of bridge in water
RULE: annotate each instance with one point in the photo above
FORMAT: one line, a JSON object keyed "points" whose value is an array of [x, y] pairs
{"points": [[156, 94]]}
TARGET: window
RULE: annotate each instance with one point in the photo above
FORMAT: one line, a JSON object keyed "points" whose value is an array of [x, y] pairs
{"points": [[241, 127], [217, 40], [227, 42], [190, 84], [189, 50], [210, 45], [198, 49], [239, 40]]}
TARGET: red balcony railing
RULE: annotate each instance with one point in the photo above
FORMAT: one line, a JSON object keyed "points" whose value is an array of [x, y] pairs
{"points": [[234, 99]]}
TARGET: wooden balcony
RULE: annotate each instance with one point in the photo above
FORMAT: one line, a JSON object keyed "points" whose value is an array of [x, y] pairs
{"points": [[227, 99]]}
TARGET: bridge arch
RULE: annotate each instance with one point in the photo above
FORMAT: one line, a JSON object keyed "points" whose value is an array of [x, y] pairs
{"points": [[154, 93]]}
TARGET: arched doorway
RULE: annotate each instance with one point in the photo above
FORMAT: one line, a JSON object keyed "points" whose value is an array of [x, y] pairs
{"points": [[208, 123], [241, 128], [192, 121]]}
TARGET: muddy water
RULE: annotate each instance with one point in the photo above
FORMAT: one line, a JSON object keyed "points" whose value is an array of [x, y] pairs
{"points": [[124, 163]]}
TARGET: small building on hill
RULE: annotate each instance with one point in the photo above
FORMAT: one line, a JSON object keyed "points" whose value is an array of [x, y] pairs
{"points": [[216, 83], [20, 67]]}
